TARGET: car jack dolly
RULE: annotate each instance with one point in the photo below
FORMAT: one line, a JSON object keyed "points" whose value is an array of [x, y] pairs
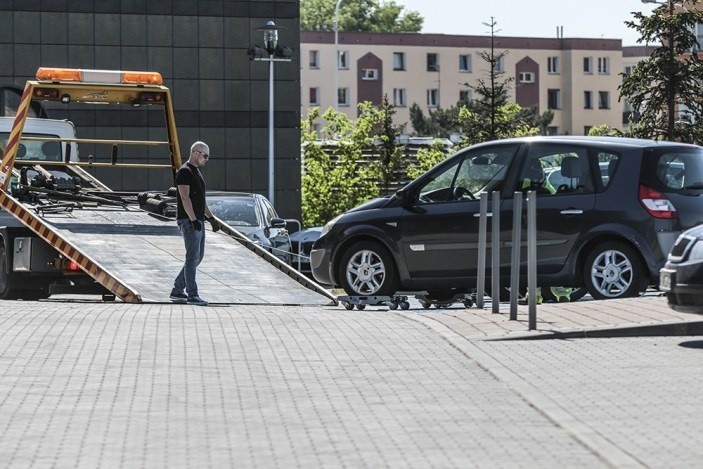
{"points": [[393, 302], [467, 300]]}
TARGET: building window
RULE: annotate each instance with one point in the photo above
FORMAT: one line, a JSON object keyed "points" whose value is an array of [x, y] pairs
{"points": [[466, 96], [342, 60], [432, 62], [603, 100], [433, 97], [587, 100], [314, 96], [398, 60], [399, 97], [628, 70], [587, 129], [526, 77], [369, 74], [552, 130], [604, 65], [553, 65], [499, 65], [314, 59], [588, 65], [553, 99], [465, 63], [343, 96]]}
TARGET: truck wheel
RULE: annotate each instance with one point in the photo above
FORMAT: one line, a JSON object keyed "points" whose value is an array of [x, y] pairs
{"points": [[7, 291], [613, 270], [367, 268]]}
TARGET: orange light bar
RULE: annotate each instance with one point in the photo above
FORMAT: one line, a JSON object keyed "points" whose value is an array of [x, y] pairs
{"points": [[142, 78], [99, 76], [59, 74]]}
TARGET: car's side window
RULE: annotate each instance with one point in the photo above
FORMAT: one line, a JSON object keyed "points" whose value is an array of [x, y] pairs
{"points": [[555, 170], [607, 165], [478, 171]]}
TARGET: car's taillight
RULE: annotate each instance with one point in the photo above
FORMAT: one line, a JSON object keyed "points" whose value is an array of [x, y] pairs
{"points": [[72, 266], [656, 203]]}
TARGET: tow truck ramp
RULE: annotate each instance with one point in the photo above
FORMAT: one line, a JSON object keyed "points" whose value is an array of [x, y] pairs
{"points": [[136, 255]]}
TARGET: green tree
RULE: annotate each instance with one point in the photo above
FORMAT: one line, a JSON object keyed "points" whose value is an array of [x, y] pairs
{"points": [[507, 121], [332, 186], [359, 15], [605, 131], [391, 159], [428, 157], [438, 123], [492, 92], [670, 78]]}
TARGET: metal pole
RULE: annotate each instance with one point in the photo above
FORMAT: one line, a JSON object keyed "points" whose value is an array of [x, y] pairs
{"points": [[271, 144], [481, 271], [495, 253], [515, 260], [532, 259], [336, 55]]}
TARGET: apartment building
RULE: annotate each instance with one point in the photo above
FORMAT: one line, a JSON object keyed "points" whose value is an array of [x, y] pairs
{"points": [[576, 78]]}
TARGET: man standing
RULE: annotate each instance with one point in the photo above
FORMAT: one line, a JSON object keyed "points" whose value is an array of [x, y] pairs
{"points": [[192, 212]]}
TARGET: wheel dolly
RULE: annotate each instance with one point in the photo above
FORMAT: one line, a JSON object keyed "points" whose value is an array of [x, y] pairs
{"points": [[393, 302], [426, 302]]}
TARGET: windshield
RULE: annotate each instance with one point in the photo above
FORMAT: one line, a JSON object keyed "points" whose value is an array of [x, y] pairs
{"points": [[34, 150], [235, 211]]}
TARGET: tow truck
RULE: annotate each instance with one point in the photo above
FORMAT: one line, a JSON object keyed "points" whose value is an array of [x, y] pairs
{"points": [[77, 235]]}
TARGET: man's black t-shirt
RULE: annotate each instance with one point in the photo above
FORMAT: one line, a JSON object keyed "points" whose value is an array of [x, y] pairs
{"points": [[189, 175]]}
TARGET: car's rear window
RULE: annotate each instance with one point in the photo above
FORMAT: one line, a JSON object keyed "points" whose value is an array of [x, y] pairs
{"points": [[674, 169]]}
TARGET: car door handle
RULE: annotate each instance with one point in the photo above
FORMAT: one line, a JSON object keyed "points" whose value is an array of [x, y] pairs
{"points": [[571, 211], [477, 215]]}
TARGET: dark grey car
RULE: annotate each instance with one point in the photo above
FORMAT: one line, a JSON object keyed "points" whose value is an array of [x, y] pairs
{"points": [[618, 208], [253, 216]]}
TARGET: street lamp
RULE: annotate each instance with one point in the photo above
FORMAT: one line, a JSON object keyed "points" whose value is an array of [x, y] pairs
{"points": [[276, 53], [336, 55], [670, 98]]}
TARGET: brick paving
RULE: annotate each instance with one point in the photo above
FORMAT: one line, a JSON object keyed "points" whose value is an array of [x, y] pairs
{"points": [[87, 384]]}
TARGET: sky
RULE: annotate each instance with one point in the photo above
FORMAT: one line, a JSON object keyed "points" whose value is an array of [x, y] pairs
{"points": [[531, 18]]}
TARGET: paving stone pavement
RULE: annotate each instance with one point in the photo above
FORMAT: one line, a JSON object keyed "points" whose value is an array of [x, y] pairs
{"points": [[87, 384]]}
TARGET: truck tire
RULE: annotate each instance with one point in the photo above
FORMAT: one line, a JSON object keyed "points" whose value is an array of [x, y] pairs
{"points": [[7, 290], [614, 270], [367, 268]]}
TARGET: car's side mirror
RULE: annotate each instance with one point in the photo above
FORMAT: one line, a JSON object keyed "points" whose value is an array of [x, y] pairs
{"points": [[278, 223], [402, 197]]}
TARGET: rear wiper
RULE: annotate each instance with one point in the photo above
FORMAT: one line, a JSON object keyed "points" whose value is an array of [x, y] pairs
{"points": [[695, 185]]}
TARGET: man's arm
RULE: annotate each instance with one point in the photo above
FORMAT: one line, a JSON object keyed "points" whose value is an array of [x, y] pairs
{"points": [[184, 191]]}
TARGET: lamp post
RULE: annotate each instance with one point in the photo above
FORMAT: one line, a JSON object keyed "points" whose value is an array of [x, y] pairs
{"points": [[276, 53], [336, 55], [670, 96]]}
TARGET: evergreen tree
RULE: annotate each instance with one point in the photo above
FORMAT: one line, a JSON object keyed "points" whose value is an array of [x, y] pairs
{"points": [[669, 81]]}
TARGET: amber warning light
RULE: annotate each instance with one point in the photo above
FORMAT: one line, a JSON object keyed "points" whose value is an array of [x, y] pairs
{"points": [[99, 76]]}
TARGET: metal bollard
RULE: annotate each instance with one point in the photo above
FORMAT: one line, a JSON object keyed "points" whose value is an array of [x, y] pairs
{"points": [[481, 271], [532, 259], [515, 259], [495, 253], [300, 244]]}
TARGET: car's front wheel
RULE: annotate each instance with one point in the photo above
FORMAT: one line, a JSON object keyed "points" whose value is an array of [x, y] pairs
{"points": [[367, 268], [613, 270]]}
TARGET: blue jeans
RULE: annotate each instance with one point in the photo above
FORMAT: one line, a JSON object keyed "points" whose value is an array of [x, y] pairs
{"points": [[195, 250]]}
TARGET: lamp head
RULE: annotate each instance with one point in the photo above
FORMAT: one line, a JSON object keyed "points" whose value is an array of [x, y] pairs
{"points": [[270, 30]]}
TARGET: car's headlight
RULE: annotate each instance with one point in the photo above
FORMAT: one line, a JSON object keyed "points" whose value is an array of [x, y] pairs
{"points": [[696, 251], [329, 225]]}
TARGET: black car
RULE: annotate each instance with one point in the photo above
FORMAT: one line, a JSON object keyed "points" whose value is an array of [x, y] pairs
{"points": [[682, 276], [253, 216], [618, 208]]}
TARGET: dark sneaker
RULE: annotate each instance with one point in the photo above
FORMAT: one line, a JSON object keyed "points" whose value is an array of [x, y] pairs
{"points": [[178, 297], [196, 300]]}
